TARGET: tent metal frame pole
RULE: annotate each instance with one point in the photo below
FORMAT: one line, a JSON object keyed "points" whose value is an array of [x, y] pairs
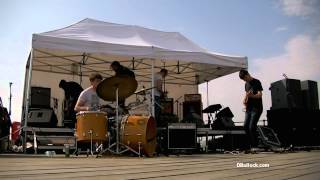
{"points": [[209, 121], [27, 101], [152, 85], [207, 93]]}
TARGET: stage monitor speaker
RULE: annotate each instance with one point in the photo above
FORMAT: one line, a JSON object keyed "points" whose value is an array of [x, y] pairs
{"points": [[40, 97], [225, 112], [182, 136], [310, 97], [223, 119], [42, 118], [167, 105], [286, 93]]}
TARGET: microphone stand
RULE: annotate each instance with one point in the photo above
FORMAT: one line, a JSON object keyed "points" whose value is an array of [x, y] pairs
{"points": [[10, 98]]}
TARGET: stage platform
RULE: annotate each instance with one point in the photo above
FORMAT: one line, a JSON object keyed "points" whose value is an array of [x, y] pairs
{"points": [[291, 165]]}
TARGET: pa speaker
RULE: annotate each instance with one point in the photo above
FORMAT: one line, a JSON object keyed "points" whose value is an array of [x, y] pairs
{"points": [[40, 97], [310, 97], [42, 118], [286, 93]]}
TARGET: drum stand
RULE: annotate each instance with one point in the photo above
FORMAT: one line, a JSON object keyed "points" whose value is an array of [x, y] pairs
{"points": [[78, 151], [117, 144]]}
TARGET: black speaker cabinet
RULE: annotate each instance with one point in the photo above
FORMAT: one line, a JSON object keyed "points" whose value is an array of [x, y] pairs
{"points": [[42, 118], [286, 93], [182, 136], [40, 97], [298, 127], [192, 107], [310, 97]]}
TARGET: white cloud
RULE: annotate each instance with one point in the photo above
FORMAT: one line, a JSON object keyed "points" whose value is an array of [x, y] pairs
{"points": [[299, 7], [300, 61], [282, 28]]}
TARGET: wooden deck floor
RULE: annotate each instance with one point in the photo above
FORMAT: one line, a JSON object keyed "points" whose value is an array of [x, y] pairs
{"points": [[298, 165]]}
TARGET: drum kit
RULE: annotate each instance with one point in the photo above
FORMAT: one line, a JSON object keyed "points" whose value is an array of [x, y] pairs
{"points": [[126, 131]]}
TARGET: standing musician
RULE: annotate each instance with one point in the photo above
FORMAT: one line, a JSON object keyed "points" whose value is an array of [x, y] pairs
{"points": [[72, 91], [253, 106], [88, 99], [121, 71], [159, 93], [5, 124]]}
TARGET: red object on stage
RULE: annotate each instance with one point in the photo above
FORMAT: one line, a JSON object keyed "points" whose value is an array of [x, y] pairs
{"points": [[15, 131]]}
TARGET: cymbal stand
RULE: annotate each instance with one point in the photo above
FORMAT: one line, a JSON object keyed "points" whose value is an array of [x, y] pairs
{"points": [[117, 143], [91, 132]]}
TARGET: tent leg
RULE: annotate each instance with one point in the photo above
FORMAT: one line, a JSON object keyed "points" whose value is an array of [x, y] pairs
{"points": [[152, 85], [27, 101]]}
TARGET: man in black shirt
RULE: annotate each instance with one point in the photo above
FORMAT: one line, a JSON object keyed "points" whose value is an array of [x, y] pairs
{"points": [[5, 124], [121, 70], [72, 91], [253, 106]]}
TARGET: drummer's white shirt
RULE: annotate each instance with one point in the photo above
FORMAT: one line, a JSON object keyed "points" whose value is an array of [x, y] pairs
{"points": [[90, 98]]}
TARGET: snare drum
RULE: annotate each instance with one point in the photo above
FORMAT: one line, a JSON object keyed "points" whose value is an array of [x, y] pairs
{"points": [[91, 123], [139, 131]]}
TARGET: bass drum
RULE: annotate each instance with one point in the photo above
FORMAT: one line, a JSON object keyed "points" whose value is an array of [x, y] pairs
{"points": [[91, 121], [135, 130]]}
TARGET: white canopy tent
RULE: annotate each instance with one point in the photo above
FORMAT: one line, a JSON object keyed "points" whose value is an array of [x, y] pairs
{"points": [[90, 46]]}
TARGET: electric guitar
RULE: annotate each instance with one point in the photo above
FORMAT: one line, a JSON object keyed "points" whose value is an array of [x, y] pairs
{"points": [[245, 101]]}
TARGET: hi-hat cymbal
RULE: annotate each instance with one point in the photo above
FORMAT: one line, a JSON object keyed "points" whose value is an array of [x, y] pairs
{"points": [[126, 85]]}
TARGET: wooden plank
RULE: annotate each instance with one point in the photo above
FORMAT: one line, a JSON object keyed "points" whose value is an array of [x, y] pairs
{"points": [[207, 166]]}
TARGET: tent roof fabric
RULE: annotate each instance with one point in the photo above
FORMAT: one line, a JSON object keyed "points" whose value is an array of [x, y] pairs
{"points": [[90, 45]]}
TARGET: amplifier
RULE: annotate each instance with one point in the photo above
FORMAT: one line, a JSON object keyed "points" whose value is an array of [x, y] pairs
{"points": [[167, 105], [182, 136], [40, 97], [192, 97]]}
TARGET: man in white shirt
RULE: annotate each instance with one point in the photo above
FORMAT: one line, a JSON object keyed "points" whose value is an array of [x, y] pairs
{"points": [[88, 99], [159, 91]]}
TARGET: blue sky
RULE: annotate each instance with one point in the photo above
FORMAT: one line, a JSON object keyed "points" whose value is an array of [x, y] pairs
{"points": [[266, 31]]}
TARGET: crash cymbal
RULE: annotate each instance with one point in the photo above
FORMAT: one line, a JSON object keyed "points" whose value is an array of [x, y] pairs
{"points": [[126, 85]]}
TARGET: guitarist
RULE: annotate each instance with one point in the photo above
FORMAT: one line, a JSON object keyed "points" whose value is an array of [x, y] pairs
{"points": [[253, 106], [159, 92]]}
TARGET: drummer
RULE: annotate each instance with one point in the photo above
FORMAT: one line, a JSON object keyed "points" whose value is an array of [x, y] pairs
{"points": [[88, 99]]}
